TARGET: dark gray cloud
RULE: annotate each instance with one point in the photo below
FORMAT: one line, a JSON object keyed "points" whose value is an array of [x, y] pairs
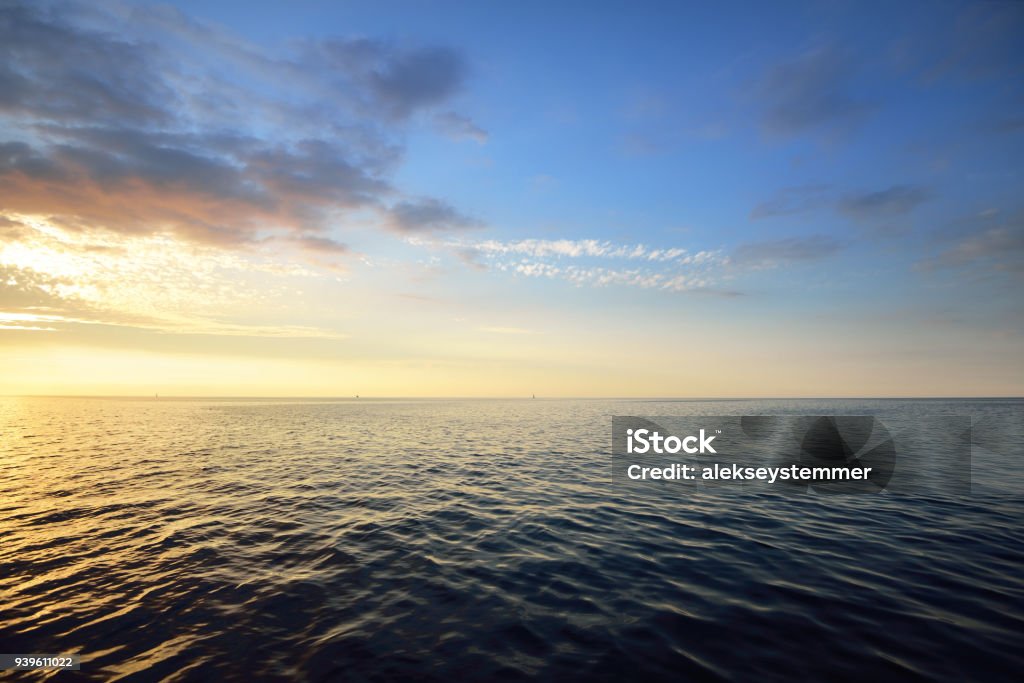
{"points": [[792, 200], [417, 79], [21, 158], [814, 91], [385, 79], [427, 215], [893, 201], [55, 71], [788, 250], [156, 123]]}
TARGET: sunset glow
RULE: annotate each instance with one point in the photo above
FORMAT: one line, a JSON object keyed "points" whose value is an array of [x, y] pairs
{"points": [[191, 209]]}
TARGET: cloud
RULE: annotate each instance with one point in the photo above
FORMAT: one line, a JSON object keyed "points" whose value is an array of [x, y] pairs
{"points": [[788, 250], [989, 241], [539, 248], [460, 127], [320, 244], [59, 72], [888, 203], [408, 81], [471, 257], [427, 215], [142, 121], [983, 42], [131, 183], [24, 289], [791, 201], [893, 201], [812, 92], [598, 276], [11, 230], [153, 282], [590, 262]]}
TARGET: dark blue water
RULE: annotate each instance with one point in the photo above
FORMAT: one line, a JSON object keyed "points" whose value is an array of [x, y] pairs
{"points": [[481, 540]]}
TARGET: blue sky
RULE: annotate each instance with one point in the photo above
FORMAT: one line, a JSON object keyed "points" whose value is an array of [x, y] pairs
{"points": [[478, 198]]}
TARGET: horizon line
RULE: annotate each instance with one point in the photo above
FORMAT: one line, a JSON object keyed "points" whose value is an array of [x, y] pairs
{"points": [[360, 397]]}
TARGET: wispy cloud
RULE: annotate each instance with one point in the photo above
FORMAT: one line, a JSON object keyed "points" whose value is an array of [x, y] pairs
{"points": [[29, 322], [460, 127], [990, 242], [592, 262], [867, 206], [791, 201], [892, 201], [540, 248], [788, 250]]}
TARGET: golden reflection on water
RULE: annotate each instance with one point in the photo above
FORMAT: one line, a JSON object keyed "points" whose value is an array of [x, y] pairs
{"points": [[178, 538]]}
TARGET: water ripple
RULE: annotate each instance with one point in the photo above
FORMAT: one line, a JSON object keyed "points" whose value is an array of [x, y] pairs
{"points": [[477, 540]]}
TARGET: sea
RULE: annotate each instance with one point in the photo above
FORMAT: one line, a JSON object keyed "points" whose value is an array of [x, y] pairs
{"points": [[484, 540]]}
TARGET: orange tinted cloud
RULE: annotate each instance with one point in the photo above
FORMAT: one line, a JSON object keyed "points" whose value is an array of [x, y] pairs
{"points": [[123, 130]]}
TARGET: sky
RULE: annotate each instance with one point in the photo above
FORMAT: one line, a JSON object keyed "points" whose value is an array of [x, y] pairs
{"points": [[512, 198]]}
